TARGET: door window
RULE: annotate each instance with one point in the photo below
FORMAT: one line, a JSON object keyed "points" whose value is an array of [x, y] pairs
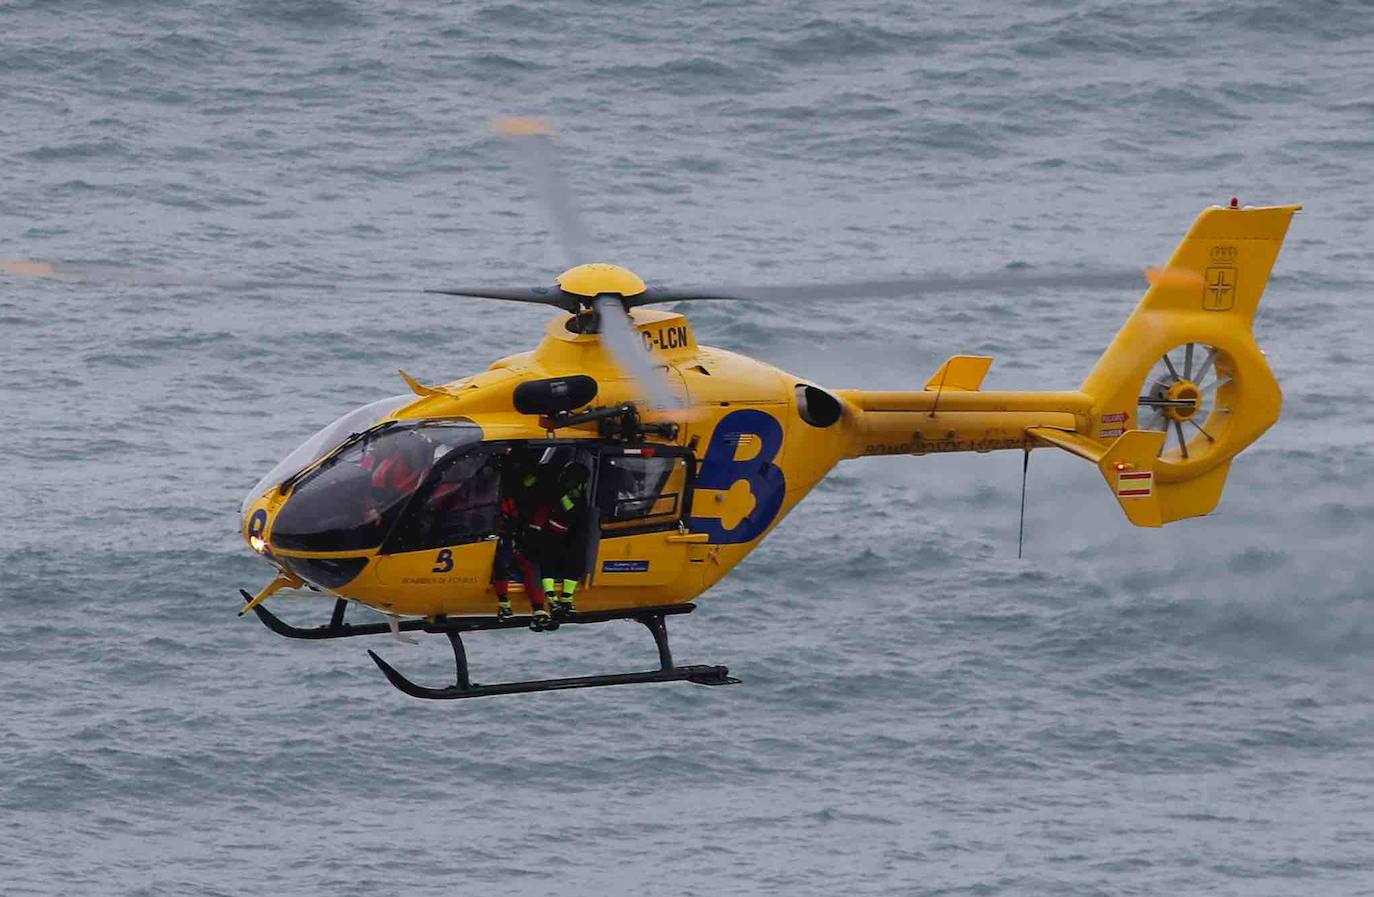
{"points": [[635, 492]]}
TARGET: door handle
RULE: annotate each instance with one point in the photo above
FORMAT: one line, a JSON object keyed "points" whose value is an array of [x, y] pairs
{"points": [[691, 538]]}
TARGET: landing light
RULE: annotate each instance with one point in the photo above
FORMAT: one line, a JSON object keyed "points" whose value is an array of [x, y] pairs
{"points": [[257, 544]]}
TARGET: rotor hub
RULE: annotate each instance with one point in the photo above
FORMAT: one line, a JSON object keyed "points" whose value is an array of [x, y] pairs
{"points": [[589, 281], [1185, 398]]}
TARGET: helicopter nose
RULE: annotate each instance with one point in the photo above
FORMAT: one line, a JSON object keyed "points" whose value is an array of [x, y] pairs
{"points": [[323, 573], [255, 530]]}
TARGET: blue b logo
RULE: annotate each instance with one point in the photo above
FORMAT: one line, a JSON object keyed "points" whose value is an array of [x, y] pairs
{"points": [[720, 470]]}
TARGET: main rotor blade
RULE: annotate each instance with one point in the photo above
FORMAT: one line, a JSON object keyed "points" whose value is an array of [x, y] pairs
{"points": [[83, 273], [1105, 279], [627, 348], [78, 272], [533, 140], [655, 295], [541, 295], [91, 273]]}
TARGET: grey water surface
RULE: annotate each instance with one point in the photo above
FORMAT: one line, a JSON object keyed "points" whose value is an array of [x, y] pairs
{"points": [[1184, 711]]}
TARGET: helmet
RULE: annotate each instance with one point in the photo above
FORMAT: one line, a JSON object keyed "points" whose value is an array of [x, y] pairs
{"points": [[398, 461], [574, 475]]}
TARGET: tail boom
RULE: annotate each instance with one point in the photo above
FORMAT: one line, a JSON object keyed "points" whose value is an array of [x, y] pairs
{"points": [[931, 422]]}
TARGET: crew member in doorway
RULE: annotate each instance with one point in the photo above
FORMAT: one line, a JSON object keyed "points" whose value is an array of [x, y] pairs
{"points": [[566, 549], [513, 562], [547, 530]]}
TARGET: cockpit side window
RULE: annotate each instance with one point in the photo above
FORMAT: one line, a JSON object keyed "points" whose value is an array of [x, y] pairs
{"points": [[459, 504], [352, 500]]}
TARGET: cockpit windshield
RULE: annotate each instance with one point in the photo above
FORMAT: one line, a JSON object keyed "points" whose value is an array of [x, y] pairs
{"points": [[351, 501], [314, 448]]}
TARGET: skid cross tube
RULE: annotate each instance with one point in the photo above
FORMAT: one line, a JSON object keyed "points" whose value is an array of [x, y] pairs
{"points": [[653, 618]]}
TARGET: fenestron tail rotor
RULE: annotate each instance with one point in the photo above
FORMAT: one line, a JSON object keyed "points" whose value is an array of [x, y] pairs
{"points": [[1185, 396]]}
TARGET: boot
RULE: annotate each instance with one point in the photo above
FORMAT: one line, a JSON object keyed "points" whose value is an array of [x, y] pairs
{"points": [[503, 610]]}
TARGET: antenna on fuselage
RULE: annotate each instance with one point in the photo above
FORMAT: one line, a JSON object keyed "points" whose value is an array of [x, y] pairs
{"points": [[939, 390], [1021, 531]]}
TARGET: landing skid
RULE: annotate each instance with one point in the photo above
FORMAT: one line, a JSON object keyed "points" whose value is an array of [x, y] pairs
{"points": [[653, 618]]}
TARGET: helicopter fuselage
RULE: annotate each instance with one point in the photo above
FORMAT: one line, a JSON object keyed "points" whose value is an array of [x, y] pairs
{"points": [[673, 515]]}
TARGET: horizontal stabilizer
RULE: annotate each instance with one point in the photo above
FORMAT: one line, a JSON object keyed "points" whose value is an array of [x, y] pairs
{"points": [[1069, 441], [963, 373], [1128, 464], [1129, 468]]}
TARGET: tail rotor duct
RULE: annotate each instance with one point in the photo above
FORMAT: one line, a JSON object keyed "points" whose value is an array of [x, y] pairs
{"points": [[1185, 396]]}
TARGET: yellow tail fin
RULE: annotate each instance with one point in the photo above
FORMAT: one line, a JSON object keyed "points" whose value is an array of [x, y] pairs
{"points": [[1183, 388]]}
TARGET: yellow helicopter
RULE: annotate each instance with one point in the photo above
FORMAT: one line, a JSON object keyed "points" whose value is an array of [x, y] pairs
{"points": [[690, 454]]}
